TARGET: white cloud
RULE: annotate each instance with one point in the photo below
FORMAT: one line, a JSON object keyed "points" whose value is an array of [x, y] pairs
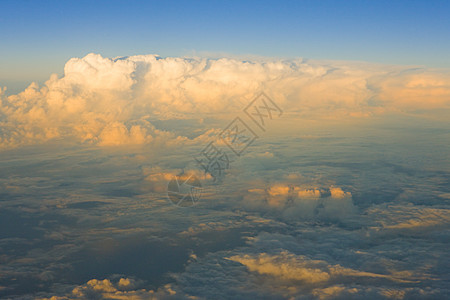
{"points": [[157, 178], [302, 202], [287, 266], [106, 289], [109, 101]]}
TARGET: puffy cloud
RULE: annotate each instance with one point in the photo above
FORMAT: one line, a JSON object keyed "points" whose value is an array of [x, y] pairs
{"points": [[111, 101], [106, 289], [284, 267], [293, 275], [287, 266], [302, 203], [157, 179]]}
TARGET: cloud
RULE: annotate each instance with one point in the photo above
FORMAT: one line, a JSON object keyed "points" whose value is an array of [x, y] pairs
{"points": [[408, 219], [326, 213], [283, 267], [157, 179], [110, 102], [302, 203], [122, 289], [415, 89], [286, 266]]}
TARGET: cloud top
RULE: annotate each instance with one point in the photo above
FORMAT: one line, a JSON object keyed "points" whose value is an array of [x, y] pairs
{"points": [[108, 102]]}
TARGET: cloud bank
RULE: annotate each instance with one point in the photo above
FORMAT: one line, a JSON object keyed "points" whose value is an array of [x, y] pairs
{"points": [[294, 202], [109, 102]]}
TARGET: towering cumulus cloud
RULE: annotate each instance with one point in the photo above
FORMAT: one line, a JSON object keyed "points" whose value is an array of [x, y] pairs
{"points": [[110, 101]]}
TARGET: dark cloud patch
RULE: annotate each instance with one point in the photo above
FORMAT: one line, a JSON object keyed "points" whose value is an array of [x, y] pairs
{"points": [[86, 204]]}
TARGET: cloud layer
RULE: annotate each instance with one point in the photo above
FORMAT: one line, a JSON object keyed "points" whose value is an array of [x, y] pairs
{"points": [[113, 101], [318, 208]]}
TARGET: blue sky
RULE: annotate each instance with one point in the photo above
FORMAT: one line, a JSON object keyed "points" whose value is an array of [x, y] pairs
{"points": [[38, 37]]}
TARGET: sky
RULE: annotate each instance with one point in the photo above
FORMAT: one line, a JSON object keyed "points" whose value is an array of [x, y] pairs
{"points": [[38, 37], [224, 150]]}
